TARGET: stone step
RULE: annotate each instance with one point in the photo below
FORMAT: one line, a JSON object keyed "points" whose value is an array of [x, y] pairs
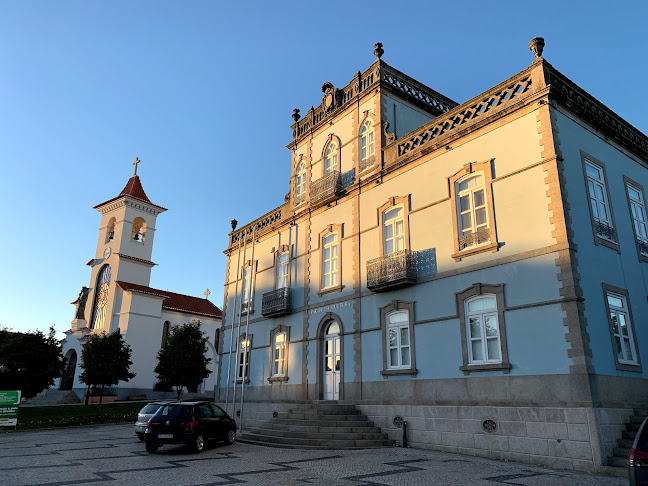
{"points": [[632, 427], [621, 452], [322, 416], [331, 444], [359, 421], [324, 411], [618, 461], [368, 428], [318, 435], [641, 412], [630, 435], [637, 419], [625, 443]]}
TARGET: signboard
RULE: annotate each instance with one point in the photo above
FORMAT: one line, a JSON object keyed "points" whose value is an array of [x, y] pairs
{"points": [[9, 401]]}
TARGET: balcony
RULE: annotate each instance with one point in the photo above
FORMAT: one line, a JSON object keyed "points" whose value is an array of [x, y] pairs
{"points": [[277, 303], [326, 188], [605, 231], [473, 239], [391, 271]]}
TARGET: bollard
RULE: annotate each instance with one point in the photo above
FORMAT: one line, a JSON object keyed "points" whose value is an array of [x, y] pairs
{"points": [[404, 434]]}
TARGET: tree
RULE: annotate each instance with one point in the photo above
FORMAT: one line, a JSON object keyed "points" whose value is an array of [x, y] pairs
{"points": [[29, 361], [105, 361], [182, 361]]}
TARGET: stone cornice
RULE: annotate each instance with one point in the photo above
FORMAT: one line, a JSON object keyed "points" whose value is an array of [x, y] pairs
{"points": [[130, 202]]}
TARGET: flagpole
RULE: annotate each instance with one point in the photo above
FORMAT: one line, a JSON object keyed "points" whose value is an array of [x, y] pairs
{"points": [[247, 329], [229, 356]]}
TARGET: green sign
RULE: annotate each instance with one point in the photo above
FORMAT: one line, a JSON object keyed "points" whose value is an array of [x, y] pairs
{"points": [[9, 402]]}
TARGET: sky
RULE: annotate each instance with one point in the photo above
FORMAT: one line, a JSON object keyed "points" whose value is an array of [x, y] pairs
{"points": [[203, 91]]}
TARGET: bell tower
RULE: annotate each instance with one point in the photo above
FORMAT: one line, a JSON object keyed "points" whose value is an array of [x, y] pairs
{"points": [[124, 250]]}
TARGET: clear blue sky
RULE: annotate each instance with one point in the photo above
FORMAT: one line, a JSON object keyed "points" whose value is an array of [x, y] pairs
{"points": [[202, 93]]}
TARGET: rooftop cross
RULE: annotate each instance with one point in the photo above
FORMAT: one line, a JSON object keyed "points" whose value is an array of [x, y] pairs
{"points": [[137, 161], [206, 294]]}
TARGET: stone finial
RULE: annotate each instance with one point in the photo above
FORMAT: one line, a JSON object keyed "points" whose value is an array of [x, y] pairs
{"points": [[234, 223], [296, 116], [378, 51], [537, 45]]}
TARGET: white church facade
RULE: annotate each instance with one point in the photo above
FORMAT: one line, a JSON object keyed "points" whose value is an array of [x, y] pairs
{"points": [[119, 297]]}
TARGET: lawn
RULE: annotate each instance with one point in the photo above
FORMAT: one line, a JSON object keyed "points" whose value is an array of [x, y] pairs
{"points": [[67, 415]]}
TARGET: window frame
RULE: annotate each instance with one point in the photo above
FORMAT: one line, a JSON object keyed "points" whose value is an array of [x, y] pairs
{"points": [[250, 302], [273, 335], [483, 338], [282, 250], [337, 153], [241, 339], [599, 240], [643, 257], [391, 308], [301, 181], [331, 229], [619, 292], [365, 134], [462, 298], [394, 202], [473, 169]]}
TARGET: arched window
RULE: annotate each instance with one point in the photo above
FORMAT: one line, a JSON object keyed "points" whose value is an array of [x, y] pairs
{"points": [[166, 329], [393, 230], [398, 340], [110, 230], [139, 230], [102, 290], [367, 144], [472, 212], [482, 329], [245, 343], [217, 335], [330, 262], [331, 158], [300, 180]]}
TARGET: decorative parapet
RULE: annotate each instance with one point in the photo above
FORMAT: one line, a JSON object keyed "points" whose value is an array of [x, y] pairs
{"points": [[326, 187], [378, 73], [277, 302], [265, 221], [397, 269]]}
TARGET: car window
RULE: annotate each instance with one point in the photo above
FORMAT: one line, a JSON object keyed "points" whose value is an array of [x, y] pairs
{"points": [[642, 441], [205, 410], [174, 411], [219, 412], [150, 408]]}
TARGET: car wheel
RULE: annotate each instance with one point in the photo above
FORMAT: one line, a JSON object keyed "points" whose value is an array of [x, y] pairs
{"points": [[140, 436], [231, 437], [152, 446], [198, 443]]}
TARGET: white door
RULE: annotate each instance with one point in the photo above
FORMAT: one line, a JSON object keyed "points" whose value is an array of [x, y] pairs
{"points": [[332, 367]]}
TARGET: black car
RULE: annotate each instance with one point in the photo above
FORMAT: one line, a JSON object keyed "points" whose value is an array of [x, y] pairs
{"points": [[190, 423], [638, 457]]}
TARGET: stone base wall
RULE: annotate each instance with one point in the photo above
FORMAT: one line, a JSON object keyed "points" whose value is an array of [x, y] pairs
{"points": [[563, 438]]}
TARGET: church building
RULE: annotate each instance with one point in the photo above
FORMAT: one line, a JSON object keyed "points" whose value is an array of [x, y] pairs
{"points": [[476, 269], [119, 297]]}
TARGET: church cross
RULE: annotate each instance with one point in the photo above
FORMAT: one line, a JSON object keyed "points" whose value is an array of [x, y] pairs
{"points": [[206, 294], [137, 161]]}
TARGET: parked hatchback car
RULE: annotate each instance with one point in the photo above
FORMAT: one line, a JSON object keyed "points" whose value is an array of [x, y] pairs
{"points": [[145, 414], [190, 423], [638, 457]]}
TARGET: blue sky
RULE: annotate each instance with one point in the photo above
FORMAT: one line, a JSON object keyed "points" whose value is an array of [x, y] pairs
{"points": [[202, 93]]}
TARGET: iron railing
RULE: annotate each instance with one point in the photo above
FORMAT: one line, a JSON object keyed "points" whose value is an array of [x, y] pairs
{"points": [[277, 302], [605, 231], [397, 269], [326, 187], [643, 246], [476, 238]]}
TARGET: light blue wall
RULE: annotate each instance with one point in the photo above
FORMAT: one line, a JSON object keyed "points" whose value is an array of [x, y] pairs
{"points": [[599, 264], [402, 118]]}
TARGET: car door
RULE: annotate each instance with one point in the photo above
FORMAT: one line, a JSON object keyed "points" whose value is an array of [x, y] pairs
{"points": [[222, 425], [207, 419]]}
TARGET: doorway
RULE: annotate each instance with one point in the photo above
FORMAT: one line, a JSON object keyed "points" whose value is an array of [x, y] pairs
{"points": [[332, 362], [67, 380]]}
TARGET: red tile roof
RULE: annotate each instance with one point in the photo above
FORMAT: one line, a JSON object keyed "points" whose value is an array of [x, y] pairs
{"points": [[173, 301], [133, 189]]}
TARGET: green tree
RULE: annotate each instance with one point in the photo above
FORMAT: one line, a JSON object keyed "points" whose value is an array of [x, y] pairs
{"points": [[29, 361], [182, 361], [105, 361]]}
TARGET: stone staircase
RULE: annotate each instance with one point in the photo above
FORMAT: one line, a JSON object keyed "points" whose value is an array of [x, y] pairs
{"points": [[619, 456], [319, 425], [53, 397]]}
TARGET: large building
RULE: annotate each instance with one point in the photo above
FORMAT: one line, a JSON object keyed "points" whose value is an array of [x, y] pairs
{"points": [[478, 269], [119, 297]]}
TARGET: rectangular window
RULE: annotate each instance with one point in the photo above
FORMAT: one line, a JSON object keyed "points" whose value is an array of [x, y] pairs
{"points": [[638, 213], [483, 330], [283, 262], [598, 199], [622, 332], [330, 263], [393, 230], [398, 340], [279, 356], [244, 360]]}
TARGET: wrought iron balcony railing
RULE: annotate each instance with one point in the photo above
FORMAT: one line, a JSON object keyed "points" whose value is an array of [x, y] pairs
{"points": [[326, 187], [277, 302], [476, 238], [397, 269], [643, 246], [605, 231]]}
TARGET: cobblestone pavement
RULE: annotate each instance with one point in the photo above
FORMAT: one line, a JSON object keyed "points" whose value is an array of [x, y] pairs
{"points": [[114, 456]]}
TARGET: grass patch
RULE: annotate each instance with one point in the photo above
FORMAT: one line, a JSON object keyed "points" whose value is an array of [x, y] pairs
{"points": [[67, 415]]}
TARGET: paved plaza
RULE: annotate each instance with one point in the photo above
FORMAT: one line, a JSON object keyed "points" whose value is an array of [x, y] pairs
{"points": [[113, 455]]}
